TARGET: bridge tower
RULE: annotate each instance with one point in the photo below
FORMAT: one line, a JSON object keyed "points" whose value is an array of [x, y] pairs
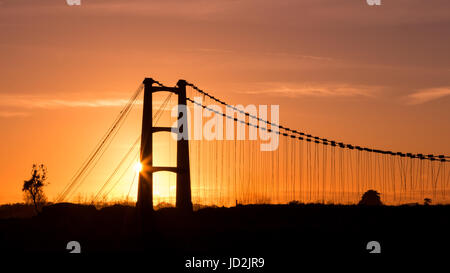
{"points": [[182, 170]]}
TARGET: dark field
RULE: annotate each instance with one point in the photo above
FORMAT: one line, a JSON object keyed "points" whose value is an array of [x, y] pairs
{"points": [[278, 233]]}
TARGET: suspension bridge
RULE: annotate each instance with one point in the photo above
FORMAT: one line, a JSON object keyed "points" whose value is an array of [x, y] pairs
{"points": [[224, 172]]}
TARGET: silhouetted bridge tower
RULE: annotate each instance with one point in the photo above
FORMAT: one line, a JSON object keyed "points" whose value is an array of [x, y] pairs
{"points": [[182, 170]]}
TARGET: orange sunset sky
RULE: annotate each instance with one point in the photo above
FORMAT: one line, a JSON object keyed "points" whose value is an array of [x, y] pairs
{"points": [[367, 75]]}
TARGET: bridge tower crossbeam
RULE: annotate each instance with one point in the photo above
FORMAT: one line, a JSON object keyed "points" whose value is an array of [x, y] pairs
{"points": [[182, 170]]}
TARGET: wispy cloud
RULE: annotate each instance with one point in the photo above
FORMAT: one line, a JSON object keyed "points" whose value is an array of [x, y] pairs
{"points": [[49, 103], [316, 90], [299, 56], [11, 114], [23, 105], [210, 50], [426, 95]]}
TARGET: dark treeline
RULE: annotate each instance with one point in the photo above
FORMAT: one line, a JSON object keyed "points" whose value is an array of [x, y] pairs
{"points": [[241, 230]]}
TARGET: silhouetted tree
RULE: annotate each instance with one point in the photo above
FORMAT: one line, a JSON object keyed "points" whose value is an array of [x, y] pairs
{"points": [[427, 201], [33, 187], [370, 198]]}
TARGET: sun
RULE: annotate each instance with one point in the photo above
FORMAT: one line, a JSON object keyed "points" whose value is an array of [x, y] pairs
{"points": [[138, 167]]}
